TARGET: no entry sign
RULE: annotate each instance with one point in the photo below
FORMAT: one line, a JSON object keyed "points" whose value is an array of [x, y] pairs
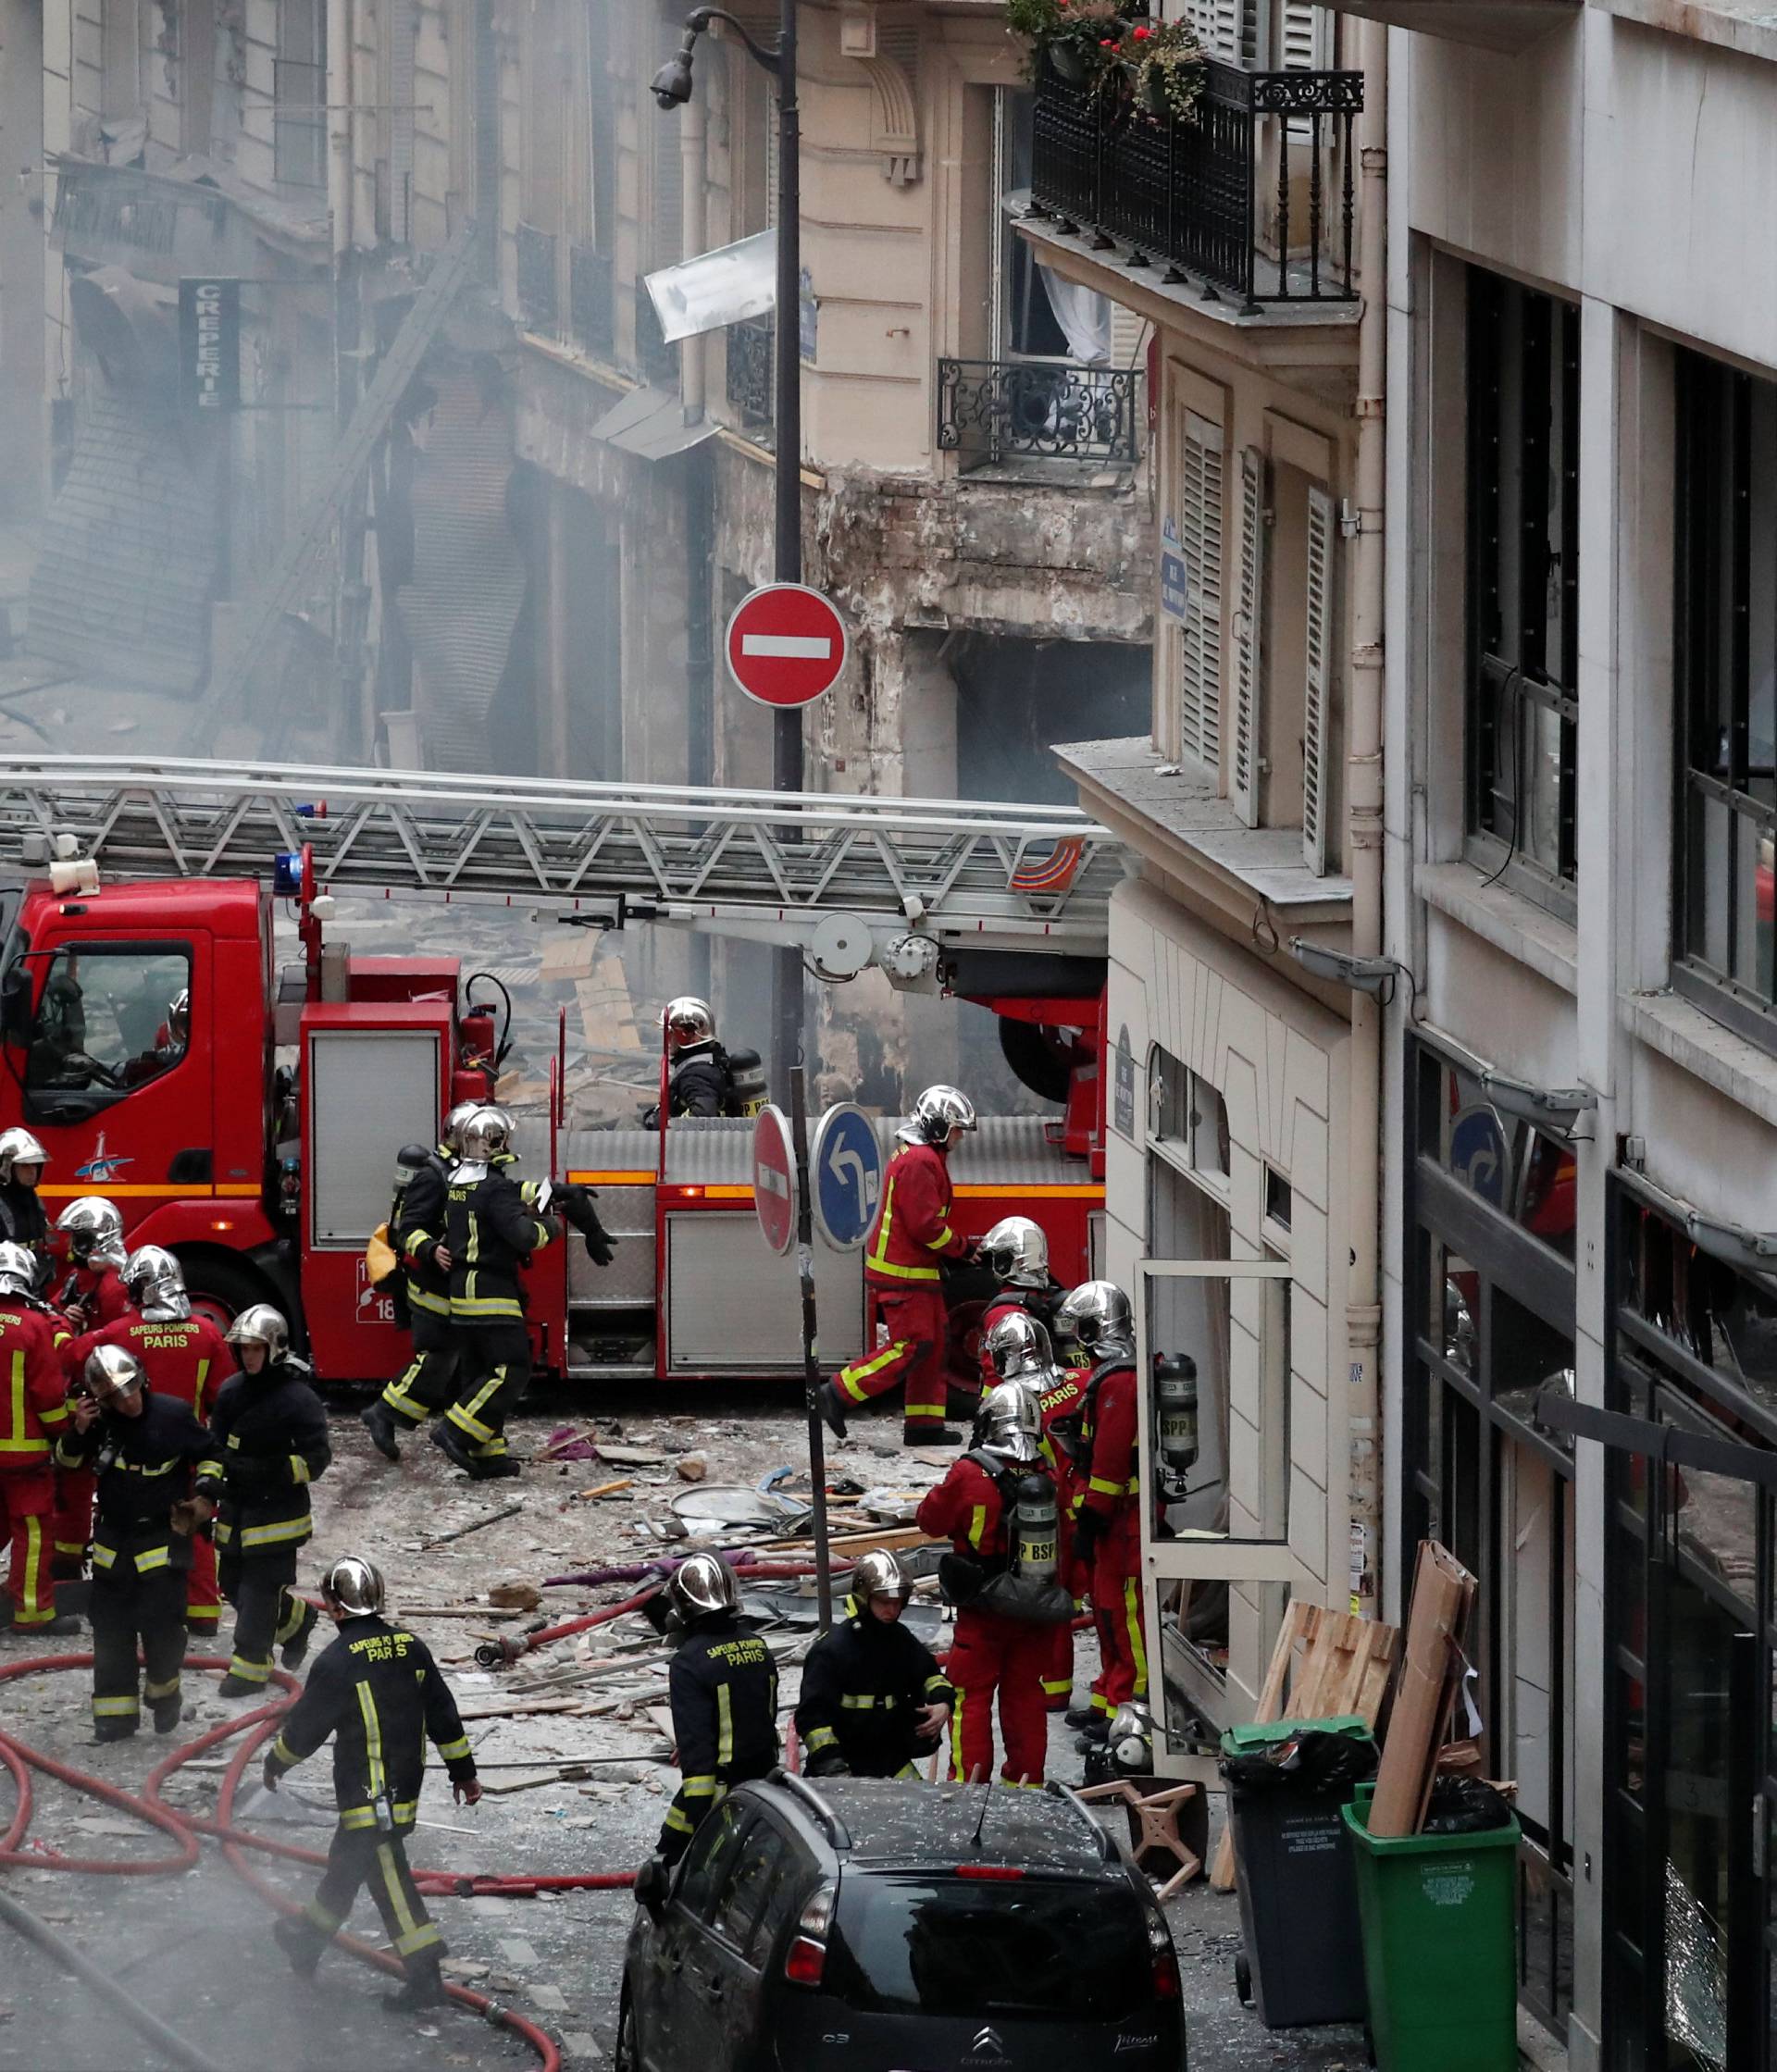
{"points": [[774, 1178], [786, 645]]}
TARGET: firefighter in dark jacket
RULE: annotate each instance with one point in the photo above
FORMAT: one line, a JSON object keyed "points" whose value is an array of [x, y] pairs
{"points": [[377, 1692], [723, 1684], [23, 1217], [268, 1443], [144, 1449], [428, 1383], [874, 1699]]}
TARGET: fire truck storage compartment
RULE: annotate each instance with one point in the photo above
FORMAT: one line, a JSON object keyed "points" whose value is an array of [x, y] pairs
{"points": [[618, 1165], [734, 1306], [368, 1092]]}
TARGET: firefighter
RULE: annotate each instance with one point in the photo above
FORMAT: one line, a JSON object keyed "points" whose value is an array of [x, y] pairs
{"points": [[1015, 1251], [143, 1446], [1002, 1620], [874, 1699], [22, 1216], [425, 1385], [723, 1684], [92, 1293], [32, 1412], [912, 1232], [1107, 1509], [704, 1078], [187, 1360], [268, 1443], [377, 1690]]}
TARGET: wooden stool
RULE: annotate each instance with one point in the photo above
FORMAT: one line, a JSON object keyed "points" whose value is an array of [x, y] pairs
{"points": [[1153, 1824]]}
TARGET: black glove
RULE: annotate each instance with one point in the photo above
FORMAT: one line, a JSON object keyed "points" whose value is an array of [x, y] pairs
{"points": [[272, 1772], [827, 1762], [1088, 1529], [576, 1204]]}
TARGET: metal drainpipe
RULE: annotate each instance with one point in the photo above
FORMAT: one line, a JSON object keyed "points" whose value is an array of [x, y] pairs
{"points": [[699, 478], [1364, 831]]}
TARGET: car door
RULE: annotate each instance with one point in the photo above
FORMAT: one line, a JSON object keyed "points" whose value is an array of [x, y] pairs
{"points": [[722, 2006], [675, 2036]]}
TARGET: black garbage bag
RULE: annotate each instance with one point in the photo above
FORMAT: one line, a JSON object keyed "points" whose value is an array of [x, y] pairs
{"points": [[1315, 1760], [1465, 1805]]}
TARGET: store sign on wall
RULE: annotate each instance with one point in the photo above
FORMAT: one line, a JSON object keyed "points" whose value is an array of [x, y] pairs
{"points": [[1122, 1086], [209, 345]]}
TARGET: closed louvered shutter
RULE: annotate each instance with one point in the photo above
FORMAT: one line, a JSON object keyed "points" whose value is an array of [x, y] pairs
{"points": [[1244, 769], [1199, 639], [1317, 648]]}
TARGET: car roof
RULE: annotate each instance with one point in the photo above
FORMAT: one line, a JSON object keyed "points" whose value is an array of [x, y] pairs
{"points": [[883, 1822]]}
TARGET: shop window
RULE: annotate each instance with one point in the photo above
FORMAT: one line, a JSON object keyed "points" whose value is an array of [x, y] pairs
{"points": [[1523, 501], [1726, 650], [1516, 1169]]}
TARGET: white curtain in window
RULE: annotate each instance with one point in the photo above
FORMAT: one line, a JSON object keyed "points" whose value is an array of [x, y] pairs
{"points": [[1085, 318]]}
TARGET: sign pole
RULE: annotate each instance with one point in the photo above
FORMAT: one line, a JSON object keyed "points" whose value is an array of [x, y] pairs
{"points": [[810, 1358]]}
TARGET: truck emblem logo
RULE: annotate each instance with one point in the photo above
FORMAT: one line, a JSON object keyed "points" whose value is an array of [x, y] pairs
{"points": [[987, 2048], [102, 1165]]}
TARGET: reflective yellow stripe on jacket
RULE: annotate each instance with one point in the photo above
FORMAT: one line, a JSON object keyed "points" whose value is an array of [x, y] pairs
{"points": [[879, 1260]]}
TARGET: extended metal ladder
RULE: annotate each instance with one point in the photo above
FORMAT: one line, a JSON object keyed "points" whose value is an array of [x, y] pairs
{"points": [[853, 881]]}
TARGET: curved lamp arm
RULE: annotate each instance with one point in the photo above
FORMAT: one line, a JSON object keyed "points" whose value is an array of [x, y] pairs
{"points": [[700, 19]]}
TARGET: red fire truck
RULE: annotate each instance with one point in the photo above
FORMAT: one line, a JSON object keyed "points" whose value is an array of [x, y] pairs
{"points": [[259, 1143]]}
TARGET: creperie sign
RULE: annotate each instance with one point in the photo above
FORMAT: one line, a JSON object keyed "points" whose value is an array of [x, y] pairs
{"points": [[209, 340]]}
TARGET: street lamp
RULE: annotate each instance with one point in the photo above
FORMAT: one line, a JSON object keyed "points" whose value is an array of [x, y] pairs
{"points": [[672, 89]]}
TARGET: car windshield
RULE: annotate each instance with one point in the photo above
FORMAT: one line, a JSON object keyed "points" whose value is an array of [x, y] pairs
{"points": [[938, 1945]]}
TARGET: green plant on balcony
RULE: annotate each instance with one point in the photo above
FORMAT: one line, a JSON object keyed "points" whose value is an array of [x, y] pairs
{"points": [[1165, 66], [1082, 39]]}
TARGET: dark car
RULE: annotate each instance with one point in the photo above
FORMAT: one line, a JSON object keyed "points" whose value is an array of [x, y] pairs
{"points": [[884, 1927]]}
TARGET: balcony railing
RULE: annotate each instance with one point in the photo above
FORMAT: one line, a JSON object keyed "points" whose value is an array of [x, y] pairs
{"points": [[590, 306], [536, 254], [1257, 195], [752, 371], [993, 411], [657, 360]]}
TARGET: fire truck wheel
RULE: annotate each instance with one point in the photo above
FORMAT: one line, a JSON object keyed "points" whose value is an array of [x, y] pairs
{"points": [[220, 1289]]}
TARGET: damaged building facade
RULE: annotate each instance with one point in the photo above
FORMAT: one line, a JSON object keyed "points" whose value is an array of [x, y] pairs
{"points": [[496, 522]]}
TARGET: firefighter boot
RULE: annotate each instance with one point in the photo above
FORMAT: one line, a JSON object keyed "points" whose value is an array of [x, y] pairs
{"points": [[299, 1945], [379, 1420], [833, 1409], [424, 1988], [166, 1712], [1083, 1715], [924, 1434], [296, 1646], [450, 1442]]}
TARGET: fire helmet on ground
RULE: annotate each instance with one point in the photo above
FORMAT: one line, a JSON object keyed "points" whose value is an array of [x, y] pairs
{"points": [[1009, 1422], [940, 1113], [702, 1583], [94, 1228], [20, 1147], [260, 1325], [354, 1585], [689, 1020], [1016, 1251], [1019, 1347], [113, 1374], [485, 1135], [17, 1269], [1097, 1314], [879, 1574], [156, 1282]]}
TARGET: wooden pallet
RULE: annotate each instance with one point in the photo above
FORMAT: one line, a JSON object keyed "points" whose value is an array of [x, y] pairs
{"points": [[1326, 1664]]}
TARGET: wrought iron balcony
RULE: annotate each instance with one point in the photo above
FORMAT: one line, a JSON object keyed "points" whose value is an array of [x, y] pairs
{"points": [[536, 252], [591, 305], [751, 372], [1256, 195], [656, 359], [990, 412]]}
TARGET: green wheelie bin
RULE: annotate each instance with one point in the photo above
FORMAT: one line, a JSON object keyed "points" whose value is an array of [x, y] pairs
{"points": [[1438, 1914]]}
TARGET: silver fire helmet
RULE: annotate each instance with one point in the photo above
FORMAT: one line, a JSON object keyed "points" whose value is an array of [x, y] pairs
{"points": [[879, 1574], [455, 1120], [178, 1013], [702, 1583], [260, 1325], [1010, 1424], [94, 1227], [19, 1147], [112, 1373], [1019, 1347], [354, 1585], [940, 1113], [156, 1283], [17, 1269], [1016, 1252], [485, 1135], [1097, 1315], [688, 1020], [1131, 1739]]}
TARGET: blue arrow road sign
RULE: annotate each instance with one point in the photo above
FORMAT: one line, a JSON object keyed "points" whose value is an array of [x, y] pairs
{"points": [[846, 1162]]}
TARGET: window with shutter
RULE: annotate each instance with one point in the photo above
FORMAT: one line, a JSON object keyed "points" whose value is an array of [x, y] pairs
{"points": [[1226, 29], [1317, 648], [1249, 661], [402, 19], [1200, 638]]}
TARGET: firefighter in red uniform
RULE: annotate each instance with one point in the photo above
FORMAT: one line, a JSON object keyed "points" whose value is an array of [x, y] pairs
{"points": [[995, 1649], [1018, 1349], [1107, 1516], [187, 1361], [32, 1412], [1015, 1251], [89, 1293], [911, 1235]]}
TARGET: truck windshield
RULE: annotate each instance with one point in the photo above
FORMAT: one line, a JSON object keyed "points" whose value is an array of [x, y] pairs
{"points": [[941, 1945]]}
